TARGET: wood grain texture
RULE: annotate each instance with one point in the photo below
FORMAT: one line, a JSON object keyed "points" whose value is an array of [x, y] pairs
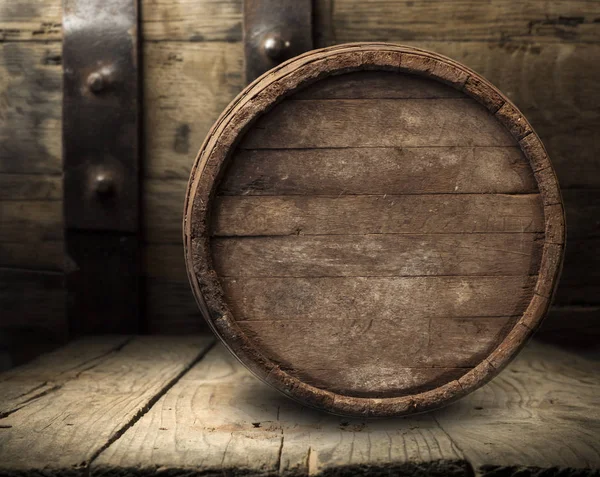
{"points": [[530, 395], [176, 122], [244, 426], [340, 21], [441, 349], [33, 299], [219, 418], [356, 215], [32, 234], [51, 371], [31, 95], [496, 20], [374, 123], [377, 255], [378, 171], [71, 425], [354, 299], [383, 86], [197, 21]]}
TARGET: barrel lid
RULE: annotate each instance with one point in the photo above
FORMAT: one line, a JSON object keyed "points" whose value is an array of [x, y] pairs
{"points": [[373, 229]]}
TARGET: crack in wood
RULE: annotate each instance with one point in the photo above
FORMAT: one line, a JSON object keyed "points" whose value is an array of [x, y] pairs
{"points": [[144, 410]]}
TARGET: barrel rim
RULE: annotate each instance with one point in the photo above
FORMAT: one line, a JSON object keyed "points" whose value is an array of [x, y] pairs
{"points": [[264, 93]]}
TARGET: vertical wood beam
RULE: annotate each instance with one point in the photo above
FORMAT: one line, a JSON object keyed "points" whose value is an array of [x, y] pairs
{"points": [[101, 145]]}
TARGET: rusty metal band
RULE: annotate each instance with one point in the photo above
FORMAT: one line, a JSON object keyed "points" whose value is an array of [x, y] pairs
{"points": [[275, 31], [101, 149]]}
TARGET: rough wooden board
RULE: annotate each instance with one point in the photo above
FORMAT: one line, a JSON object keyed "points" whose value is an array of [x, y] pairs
{"points": [[70, 426], [30, 187], [496, 20], [31, 220], [378, 171], [32, 233], [355, 215], [345, 123], [352, 299], [382, 85], [33, 299], [218, 416], [31, 96], [376, 255], [342, 20], [186, 86], [31, 20], [171, 308], [181, 20], [51, 371], [33, 255], [543, 411], [350, 362]]}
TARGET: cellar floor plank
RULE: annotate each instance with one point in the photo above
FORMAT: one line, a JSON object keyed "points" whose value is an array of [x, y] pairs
{"points": [[163, 405]]}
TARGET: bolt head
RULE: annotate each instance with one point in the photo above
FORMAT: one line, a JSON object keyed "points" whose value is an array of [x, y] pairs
{"points": [[104, 185], [95, 82], [275, 47]]}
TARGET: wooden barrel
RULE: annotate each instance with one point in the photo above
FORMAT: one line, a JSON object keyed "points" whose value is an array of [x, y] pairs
{"points": [[373, 229]]}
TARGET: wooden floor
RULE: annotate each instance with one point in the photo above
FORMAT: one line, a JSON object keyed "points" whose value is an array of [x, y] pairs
{"points": [[184, 406]]}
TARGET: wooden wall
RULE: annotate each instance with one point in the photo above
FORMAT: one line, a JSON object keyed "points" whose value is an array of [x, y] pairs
{"points": [[544, 54]]}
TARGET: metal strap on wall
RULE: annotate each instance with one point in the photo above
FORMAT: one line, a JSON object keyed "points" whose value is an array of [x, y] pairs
{"points": [[275, 31], [101, 135]]}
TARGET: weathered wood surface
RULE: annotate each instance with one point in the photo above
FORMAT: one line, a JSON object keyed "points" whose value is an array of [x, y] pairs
{"points": [[379, 170], [35, 299], [496, 20], [51, 371], [219, 417], [302, 124], [377, 255], [441, 349], [543, 55], [407, 357], [339, 21], [356, 214], [70, 424], [363, 299]]}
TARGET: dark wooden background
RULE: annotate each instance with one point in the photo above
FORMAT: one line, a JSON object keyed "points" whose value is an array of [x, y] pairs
{"points": [[544, 54]]}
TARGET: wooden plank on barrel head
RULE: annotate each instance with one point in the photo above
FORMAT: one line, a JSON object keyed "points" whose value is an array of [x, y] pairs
{"points": [[377, 255], [375, 123], [71, 425], [377, 85], [379, 171], [385, 298], [349, 362], [385, 214], [24, 384], [219, 418]]}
